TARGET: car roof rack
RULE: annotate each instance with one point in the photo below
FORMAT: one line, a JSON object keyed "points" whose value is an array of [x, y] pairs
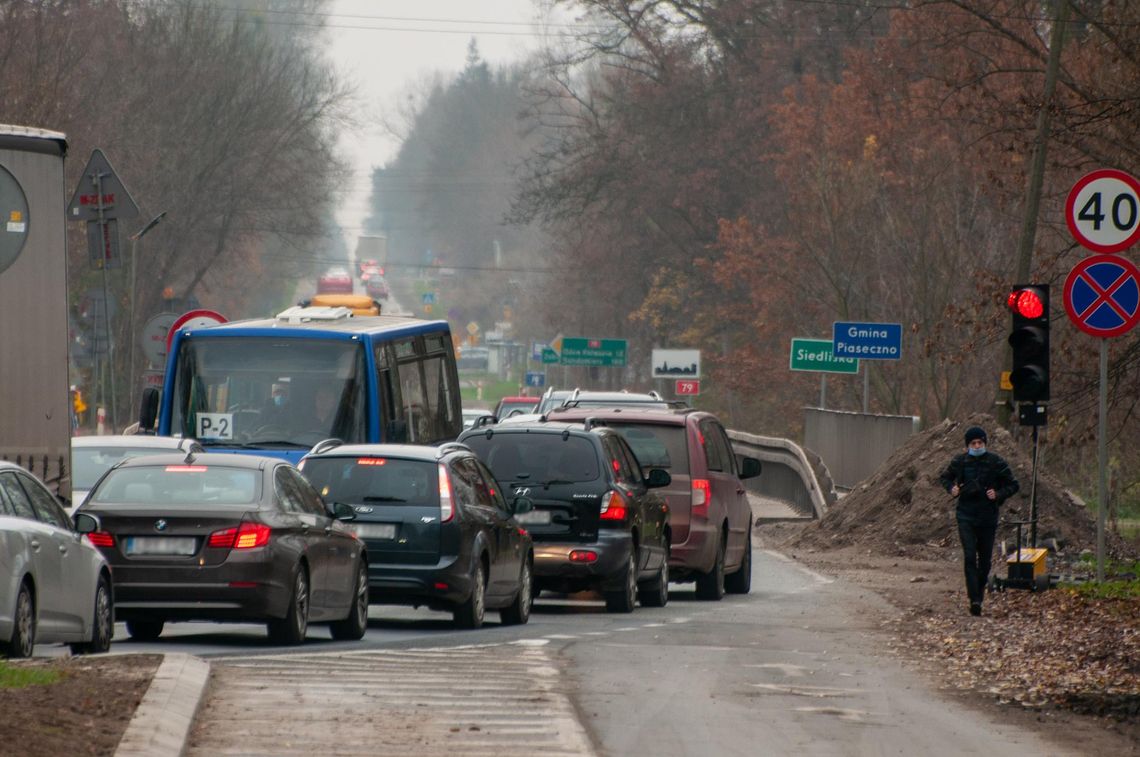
{"points": [[325, 445], [452, 447], [484, 420]]}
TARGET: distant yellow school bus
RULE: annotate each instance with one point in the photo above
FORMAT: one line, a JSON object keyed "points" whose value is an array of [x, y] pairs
{"points": [[359, 304]]}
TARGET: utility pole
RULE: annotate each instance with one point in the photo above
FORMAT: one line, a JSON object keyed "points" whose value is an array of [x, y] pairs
{"points": [[134, 297]]}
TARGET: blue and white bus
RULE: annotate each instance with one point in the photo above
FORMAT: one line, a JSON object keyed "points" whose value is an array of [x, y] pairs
{"points": [[278, 386]]}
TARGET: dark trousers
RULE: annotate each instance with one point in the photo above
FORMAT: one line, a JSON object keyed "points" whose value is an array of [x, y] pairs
{"points": [[977, 547]]}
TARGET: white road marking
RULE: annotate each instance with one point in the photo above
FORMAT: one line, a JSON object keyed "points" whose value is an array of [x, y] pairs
{"points": [[821, 692]]}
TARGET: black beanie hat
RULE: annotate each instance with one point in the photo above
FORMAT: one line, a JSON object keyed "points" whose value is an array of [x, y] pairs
{"points": [[975, 432]]}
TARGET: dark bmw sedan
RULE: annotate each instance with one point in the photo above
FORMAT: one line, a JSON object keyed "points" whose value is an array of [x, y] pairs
{"points": [[227, 538], [439, 530]]}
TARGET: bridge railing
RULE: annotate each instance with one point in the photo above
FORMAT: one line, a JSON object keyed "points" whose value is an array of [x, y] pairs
{"points": [[789, 472]]}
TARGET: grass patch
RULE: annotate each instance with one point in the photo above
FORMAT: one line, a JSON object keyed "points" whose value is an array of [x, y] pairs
{"points": [[19, 677], [1110, 589]]}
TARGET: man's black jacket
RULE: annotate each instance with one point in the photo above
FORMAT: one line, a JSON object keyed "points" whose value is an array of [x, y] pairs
{"points": [[974, 475]]}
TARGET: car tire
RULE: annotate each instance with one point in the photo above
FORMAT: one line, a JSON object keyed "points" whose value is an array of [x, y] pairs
{"points": [[355, 625], [740, 582], [145, 630], [518, 612], [23, 639], [102, 623], [625, 598], [291, 630], [710, 586], [655, 593], [470, 614]]}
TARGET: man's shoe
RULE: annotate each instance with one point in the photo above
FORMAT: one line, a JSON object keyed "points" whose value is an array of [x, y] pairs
{"points": [[975, 608]]}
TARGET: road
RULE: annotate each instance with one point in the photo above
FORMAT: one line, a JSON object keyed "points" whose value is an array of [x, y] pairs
{"points": [[796, 667]]}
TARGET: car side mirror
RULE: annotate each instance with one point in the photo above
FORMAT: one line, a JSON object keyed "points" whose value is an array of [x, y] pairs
{"points": [[657, 478], [85, 523], [749, 467], [522, 505], [342, 511], [148, 410]]}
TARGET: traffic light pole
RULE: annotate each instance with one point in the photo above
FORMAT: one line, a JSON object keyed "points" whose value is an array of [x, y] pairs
{"points": [[1033, 496]]}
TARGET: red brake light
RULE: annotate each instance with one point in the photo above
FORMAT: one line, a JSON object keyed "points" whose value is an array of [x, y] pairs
{"points": [[446, 508], [614, 506], [371, 461], [583, 555], [247, 536], [701, 496], [101, 539]]}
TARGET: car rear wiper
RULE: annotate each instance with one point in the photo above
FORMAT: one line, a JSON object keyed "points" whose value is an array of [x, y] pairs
{"points": [[553, 481], [383, 499]]}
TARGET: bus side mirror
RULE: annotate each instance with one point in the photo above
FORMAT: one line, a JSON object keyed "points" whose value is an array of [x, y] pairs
{"points": [[148, 410]]}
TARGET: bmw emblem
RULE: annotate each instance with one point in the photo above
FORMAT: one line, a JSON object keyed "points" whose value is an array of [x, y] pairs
{"points": [[160, 525]]}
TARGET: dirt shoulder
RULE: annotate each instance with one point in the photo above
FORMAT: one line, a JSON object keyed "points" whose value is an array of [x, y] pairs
{"points": [[85, 711], [1051, 662]]}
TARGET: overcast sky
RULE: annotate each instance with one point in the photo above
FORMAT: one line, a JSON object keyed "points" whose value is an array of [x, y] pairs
{"points": [[384, 47]]}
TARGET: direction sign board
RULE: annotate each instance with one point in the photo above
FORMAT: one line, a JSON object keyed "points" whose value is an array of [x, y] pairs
{"points": [[99, 186], [535, 378], [1102, 295], [549, 356], [1103, 210], [676, 364], [597, 352], [870, 341], [816, 355], [536, 350]]}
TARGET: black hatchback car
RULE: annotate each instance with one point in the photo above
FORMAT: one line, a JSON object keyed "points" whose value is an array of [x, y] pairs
{"points": [[597, 524], [439, 530], [227, 538]]}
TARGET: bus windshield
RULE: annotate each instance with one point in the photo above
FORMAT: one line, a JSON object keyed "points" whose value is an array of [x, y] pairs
{"points": [[262, 391]]}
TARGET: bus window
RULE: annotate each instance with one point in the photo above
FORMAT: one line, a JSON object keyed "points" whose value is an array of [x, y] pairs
{"points": [[393, 426]]}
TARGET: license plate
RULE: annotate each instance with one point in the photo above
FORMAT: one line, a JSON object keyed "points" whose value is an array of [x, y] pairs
{"points": [[161, 545], [534, 517], [376, 530]]}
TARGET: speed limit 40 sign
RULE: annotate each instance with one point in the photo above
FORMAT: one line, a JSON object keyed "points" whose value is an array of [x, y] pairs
{"points": [[1103, 211]]}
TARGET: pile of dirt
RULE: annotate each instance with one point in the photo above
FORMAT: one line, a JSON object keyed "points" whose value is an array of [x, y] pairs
{"points": [[903, 510]]}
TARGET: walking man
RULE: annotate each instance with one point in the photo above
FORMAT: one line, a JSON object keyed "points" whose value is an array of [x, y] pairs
{"points": [[981, 481]]}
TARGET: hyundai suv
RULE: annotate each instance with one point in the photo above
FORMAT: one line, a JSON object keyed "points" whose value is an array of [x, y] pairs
{"points": [[438, 529], [597, 522], [709, 515], [557, 399]]}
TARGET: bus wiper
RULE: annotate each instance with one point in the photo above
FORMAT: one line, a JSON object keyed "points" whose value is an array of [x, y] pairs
{"points": [[280, 442], [553, 481]]}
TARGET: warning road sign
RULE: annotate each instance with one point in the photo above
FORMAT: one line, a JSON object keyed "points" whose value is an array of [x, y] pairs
{"points": [[1102, 295], [100, 189]]}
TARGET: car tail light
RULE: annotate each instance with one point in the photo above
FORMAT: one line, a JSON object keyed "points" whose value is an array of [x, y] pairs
{"points": [[614, 506], [446, 509], [246, 536], [583, 555], [101, 539], [701, 496]]}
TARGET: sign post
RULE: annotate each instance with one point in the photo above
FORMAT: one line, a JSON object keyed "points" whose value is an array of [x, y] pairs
{"points": [[816, 355], [1102, 292], [869, 341]]}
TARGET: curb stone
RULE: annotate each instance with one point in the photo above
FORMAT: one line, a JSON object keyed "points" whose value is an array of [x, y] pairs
{"points": [[162, 722]]}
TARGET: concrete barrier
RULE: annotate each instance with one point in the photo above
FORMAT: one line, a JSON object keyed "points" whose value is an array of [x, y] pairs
{"points": [[790, 473]]}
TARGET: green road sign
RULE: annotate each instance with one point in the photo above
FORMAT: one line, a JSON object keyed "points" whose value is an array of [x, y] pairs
{"points": [[816, 355], [549, 356], [583, 351]]}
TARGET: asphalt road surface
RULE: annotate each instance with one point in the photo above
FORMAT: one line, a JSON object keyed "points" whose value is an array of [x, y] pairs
{"points": [[795, 667]]}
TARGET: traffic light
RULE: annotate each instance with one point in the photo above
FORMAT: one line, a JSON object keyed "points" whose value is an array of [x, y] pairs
{"points": [[1029, 338]]}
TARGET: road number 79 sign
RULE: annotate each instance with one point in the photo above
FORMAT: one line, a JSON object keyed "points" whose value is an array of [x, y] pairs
{"points": [[1103, 211]]}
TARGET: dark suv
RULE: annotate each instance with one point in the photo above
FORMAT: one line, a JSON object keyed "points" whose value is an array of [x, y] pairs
{"points": [[556, 399], [709, 515], [438, 529], [596, 522]]}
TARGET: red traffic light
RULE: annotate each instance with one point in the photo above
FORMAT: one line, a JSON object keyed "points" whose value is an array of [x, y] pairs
{"points": [[1026, 303]]}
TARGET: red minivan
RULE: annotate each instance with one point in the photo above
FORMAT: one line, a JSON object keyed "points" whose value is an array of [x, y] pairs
{"points": [[709, 514]]}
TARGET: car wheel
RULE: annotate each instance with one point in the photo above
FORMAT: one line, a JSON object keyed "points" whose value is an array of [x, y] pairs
{"points": [[145, 630], [625, 598], [655, 593], [518, 612], [470, 613], [291, 629], [354, 626], [23, 627], [710, 586], [102, 624], [740, 582]]}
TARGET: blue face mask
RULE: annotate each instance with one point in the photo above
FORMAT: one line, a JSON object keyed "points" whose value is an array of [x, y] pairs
{"points": [[279, 400], [976, 451]]}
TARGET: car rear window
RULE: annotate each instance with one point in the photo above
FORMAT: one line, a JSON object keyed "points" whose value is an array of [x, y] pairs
{"points": [[655, 445], [374, 480], [537, 458], [177, 485], [89, 463]]}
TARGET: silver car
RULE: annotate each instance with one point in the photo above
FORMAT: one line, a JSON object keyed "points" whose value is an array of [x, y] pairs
{"points": [[54, 585], [92, 456]]}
